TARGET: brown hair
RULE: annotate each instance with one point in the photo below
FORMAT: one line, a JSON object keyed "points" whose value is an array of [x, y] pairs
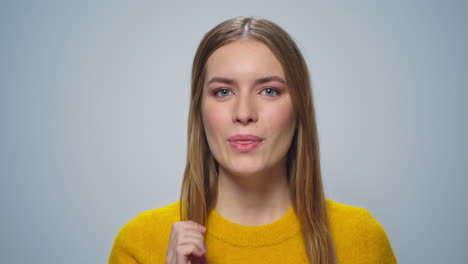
{"points": [[199, 186]]}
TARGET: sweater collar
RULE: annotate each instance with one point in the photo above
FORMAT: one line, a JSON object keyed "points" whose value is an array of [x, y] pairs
{"points": [[253, 236]]}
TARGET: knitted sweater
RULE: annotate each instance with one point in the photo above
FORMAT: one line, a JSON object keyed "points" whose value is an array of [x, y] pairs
{"points": [[357, 236]]}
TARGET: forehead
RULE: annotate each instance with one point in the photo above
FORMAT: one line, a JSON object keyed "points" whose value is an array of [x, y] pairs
{"points": [[243, 59]]}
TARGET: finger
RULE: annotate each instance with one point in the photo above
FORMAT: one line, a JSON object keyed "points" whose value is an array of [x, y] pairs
{"points": [[200, 244], [191, 238], [172, 237], [170, 255], [184, 251], [186, 236], [193, 225], [184, 232], [193, 234], [183, 227]]}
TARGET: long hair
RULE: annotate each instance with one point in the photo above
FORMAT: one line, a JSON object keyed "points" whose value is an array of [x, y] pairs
{"points": [[199, 186]]}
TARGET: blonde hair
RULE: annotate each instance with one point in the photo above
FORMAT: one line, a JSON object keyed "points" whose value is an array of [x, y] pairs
{"points": [[199, 186]]}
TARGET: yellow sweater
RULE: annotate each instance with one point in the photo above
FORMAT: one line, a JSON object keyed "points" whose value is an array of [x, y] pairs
{"points": [[358, 238]]}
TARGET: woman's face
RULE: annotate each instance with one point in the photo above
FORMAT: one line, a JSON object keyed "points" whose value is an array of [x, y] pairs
{"points": [[244, 95]]}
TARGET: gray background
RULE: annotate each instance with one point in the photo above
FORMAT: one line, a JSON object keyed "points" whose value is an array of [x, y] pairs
{"points": [[94, 101]]}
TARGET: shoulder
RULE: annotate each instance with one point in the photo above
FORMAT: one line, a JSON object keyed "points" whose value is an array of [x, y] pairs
{"points": [[147, 230], [357, 234], [350, 219], [343, 213], [167, 213], [154, 220]]}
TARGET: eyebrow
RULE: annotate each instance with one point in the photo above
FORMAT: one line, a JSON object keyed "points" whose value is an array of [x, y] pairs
{"points": [[258, 81]]}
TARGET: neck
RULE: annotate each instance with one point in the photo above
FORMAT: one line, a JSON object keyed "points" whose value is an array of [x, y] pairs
{"points": [[255, 199]]}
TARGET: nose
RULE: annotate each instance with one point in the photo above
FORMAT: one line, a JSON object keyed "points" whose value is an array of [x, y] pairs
{"points": [[244, 111]]}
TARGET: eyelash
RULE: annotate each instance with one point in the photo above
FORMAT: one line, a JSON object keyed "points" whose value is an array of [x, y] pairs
{"points": [[273, 89]]}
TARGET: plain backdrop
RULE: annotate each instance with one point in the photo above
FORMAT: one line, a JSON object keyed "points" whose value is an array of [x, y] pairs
{"points": [[94, 105]]}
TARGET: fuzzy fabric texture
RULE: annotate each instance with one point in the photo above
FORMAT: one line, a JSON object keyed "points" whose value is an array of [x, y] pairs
{"points": [[358, 237]]}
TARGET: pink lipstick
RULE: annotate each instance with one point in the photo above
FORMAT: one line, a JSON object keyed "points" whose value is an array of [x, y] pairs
{"points": [[244, 143]]}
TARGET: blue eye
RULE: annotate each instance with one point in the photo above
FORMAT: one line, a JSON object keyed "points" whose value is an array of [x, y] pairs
{"points": [[224, 92], [271, 92]]}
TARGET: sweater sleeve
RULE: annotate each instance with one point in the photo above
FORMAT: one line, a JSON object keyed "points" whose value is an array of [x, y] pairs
{"points": [[142, 240], [375, 241], [120, 256], [121, 252]]}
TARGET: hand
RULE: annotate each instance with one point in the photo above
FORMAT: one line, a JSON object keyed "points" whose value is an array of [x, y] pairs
{"points": [[186, 244]]}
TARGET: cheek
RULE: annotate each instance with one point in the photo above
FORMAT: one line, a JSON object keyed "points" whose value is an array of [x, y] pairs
{"points": [[213, 120], [282, 119]]}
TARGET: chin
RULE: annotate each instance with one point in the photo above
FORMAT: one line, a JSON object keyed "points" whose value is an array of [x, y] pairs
{"points": [[245, 168], [245, 173]]}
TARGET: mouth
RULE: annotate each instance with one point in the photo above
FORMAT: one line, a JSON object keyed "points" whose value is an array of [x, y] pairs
{"points": [[245, 143]]}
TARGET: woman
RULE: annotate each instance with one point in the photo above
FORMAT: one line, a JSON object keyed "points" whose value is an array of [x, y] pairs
{"points": [[252, 189]]}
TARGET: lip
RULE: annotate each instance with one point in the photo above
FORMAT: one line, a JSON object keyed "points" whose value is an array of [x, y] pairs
{"points": [[245, 143]]}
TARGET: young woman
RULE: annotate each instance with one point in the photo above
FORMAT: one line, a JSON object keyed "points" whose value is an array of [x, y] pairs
{"points": [[252, 189]]}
